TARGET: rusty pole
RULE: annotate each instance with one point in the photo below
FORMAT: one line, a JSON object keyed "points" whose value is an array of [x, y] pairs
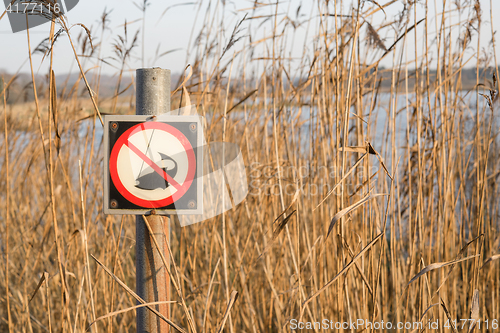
{"points": [[152, 281]]}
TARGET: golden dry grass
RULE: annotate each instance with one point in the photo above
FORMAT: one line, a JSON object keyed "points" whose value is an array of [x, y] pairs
{"points": [[405, 215]]}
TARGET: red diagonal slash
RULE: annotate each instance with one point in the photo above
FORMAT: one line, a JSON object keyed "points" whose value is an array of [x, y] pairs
{"points": [[152, 164]]}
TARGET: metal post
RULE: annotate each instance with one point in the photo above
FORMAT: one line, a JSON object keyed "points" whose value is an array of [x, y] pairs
{"points": [[152, 281]]}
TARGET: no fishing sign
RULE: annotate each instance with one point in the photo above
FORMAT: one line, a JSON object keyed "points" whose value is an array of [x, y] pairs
{"points": [[152, 163]]}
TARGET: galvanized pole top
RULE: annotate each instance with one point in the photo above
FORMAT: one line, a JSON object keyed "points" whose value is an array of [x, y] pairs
{"points": [[153, 91]]}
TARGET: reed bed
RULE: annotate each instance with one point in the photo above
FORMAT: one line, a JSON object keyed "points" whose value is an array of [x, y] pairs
{"points": [[373, 193]]}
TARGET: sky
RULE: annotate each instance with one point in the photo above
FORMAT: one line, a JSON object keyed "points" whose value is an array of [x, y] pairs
{"points": [[168, 25]]}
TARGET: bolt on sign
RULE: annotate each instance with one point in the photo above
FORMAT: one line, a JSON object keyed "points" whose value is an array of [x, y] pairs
{"points": [[153, 163]]}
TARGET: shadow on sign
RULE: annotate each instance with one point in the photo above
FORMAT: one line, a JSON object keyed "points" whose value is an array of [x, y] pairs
{"points": [[224, 176]]}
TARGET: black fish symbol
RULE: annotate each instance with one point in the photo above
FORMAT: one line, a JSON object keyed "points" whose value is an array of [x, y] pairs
{"points": [[151, 180]]}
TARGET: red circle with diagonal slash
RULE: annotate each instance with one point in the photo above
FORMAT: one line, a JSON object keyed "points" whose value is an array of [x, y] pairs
{"points": [[123, 142]]}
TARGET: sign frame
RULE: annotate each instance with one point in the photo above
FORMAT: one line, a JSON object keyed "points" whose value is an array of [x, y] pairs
{"points": [[171, 120]]}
